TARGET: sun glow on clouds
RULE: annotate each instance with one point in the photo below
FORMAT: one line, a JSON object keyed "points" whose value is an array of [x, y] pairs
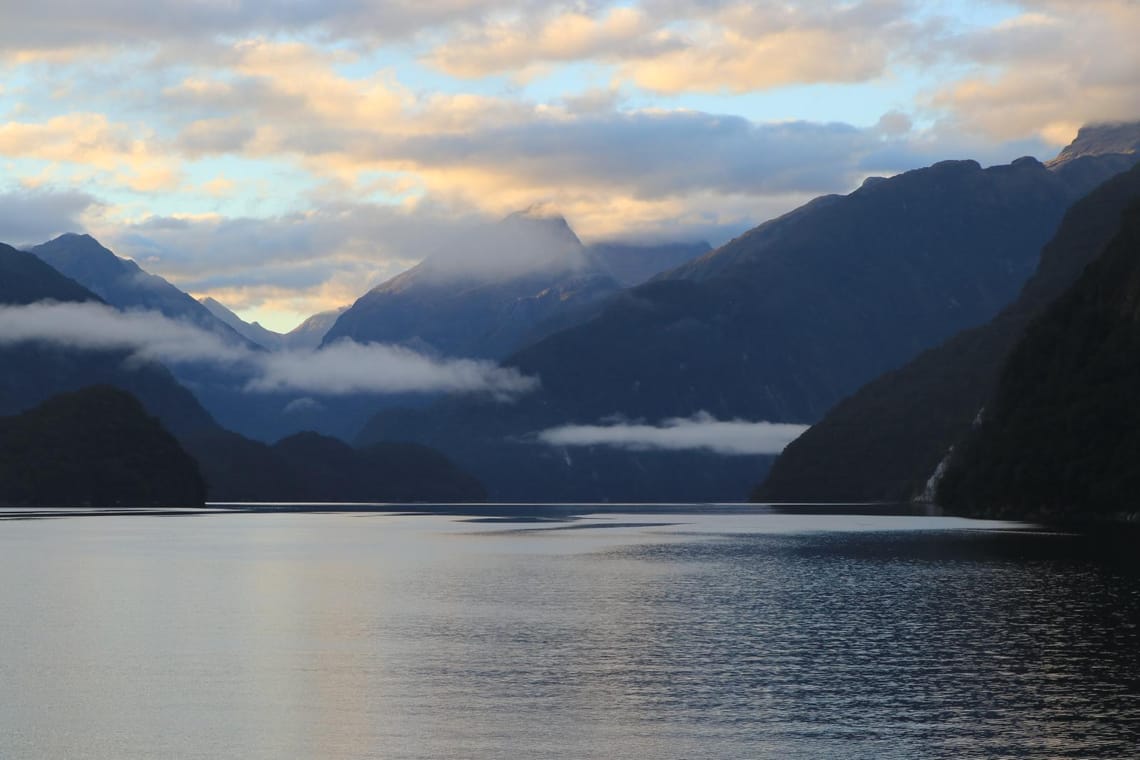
{"points": [[261, 112]]}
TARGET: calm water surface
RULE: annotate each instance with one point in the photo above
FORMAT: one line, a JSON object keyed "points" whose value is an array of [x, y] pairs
{"points": [[616, 636]]}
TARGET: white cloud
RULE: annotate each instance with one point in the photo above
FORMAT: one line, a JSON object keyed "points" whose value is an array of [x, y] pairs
{"points": [[701, 431], [348, 367], [345, 367]]}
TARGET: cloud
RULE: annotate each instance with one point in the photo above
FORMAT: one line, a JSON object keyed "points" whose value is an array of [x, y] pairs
{"points": [[345, 367], [32, 216], [671, 46], [701, 431], [64, 25], [92, 140], [1047, 71]]}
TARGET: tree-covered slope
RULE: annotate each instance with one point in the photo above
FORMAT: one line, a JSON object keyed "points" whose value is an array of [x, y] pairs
{"points": [[1061, 437], [886, 440], [94, 447]]}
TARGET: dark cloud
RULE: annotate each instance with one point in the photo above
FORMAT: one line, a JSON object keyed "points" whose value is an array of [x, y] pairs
{"points": [[33, 216], [64, 24]]}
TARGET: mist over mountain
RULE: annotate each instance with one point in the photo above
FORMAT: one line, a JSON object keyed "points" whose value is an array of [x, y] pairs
{"points": [[483, 298], [234, 467], [1060, 436], [307, 335], [38, 371], [777, 325], [885, 441], [1119, 138], [123, 284], [310, 333], [251, 331]]}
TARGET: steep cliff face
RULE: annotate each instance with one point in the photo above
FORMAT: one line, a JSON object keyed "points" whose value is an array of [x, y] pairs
{"points": [[885, 441], [1061, 436]]}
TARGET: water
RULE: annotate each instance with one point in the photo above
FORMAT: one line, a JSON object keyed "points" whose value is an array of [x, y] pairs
{"points": [[701, 636]]}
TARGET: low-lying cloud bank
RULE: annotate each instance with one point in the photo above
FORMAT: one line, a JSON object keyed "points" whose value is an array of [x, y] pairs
{"points": [[342, 368], [701, 431]]}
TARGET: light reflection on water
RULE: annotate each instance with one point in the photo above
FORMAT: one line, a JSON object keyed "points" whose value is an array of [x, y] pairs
{"points": [[703, 636]]}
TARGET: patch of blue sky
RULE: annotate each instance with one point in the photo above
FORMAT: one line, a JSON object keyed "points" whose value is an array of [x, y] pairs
{"points": [[552, 84], [403, 62], [238, 186], [967, 14], [860, 104]]}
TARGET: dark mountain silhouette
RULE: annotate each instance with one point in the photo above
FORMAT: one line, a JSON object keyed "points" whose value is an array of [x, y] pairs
{"points": [[234, 467], [34, 372], [25, 279], [123, 284], [1060, 438], [483, 301], [778, 325], [885, 441], [333, 470], [94, 447], [311, 467]]}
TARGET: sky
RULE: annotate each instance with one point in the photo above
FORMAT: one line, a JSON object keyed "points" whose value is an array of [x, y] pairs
{"points": [[284, 156]]}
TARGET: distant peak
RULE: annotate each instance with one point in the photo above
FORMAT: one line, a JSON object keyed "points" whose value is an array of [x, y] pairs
{"points": [[544, 217], [543, 210], [1101, 139]]}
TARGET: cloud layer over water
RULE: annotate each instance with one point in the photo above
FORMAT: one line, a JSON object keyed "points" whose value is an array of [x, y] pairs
{"points": [[345, 367], [701, 431]]}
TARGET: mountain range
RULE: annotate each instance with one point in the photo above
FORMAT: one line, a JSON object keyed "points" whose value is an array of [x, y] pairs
{"points": [[125, 285], [512, 285], [885, 441], [307, 335], [67, 444], [778, 324]]}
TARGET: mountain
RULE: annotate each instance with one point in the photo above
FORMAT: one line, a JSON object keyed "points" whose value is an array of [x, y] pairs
{"points": [[778, 324], [34, 372], [632, 264], [251, 331], [1121, 139], [310, 333], [25, 279], [94, 447], [311, 467], [307, 335], [123, 284], [486, 298], [393, 472], [886, 440], [1060, 437], [234, 467]]}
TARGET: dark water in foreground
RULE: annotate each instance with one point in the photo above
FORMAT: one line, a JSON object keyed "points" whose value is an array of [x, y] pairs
{"points": [[704, 636]]}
